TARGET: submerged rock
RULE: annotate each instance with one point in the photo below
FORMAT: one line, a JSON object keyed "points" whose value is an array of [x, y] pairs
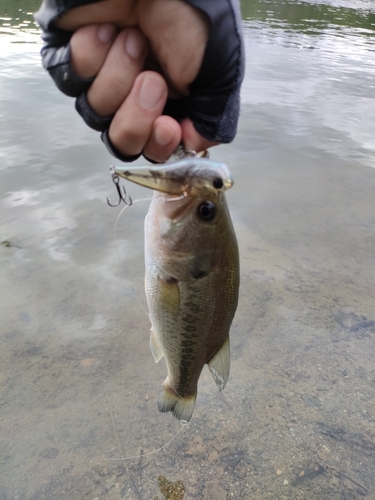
{"points": [[171, 491]]}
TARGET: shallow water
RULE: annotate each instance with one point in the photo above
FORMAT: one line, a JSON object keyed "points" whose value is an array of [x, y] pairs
{"points": [[78, 383]]}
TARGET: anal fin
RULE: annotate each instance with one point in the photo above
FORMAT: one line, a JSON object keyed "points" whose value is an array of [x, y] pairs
{"points": [[219, 365], [155, 347]]}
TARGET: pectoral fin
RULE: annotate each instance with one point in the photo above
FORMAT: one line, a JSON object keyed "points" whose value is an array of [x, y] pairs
{"points": [[155, 346], [219, 365], [169, 295]]}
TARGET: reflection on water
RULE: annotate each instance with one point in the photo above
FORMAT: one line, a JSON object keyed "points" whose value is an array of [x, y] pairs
{"points": [[16, 21], [344, 18], [336, 28], [315, 62], [78, 383]]}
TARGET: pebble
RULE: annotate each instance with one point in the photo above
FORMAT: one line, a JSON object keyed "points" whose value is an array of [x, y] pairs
{"points": [[87, 362]]}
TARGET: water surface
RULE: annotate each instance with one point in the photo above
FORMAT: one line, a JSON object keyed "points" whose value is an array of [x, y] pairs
{"points": [[78, 383]]}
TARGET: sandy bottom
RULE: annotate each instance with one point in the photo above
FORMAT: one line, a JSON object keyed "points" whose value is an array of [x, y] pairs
{"points": [[296, 421]]}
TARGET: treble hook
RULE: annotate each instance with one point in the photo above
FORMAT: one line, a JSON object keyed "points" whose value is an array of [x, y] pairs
{"points": [[122, 197]]}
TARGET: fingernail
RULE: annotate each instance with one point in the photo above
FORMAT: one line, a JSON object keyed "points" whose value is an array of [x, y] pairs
{"points": [[106, 32], [152, 90], [134, 44]]}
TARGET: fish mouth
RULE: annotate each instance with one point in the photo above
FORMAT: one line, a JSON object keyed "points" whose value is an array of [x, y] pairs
{"points": [[184, 205], [185, 177]]}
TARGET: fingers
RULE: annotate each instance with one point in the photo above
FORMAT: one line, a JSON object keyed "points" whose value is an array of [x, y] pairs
{"points": [[115, 60], [120, 88], [133, 124], [178, 34], [89, 48], [115, 79], [135, 97], [192, 139], [165, 137]]}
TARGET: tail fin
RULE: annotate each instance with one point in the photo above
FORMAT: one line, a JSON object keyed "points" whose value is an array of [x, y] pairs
{"points": [[181, 408]]}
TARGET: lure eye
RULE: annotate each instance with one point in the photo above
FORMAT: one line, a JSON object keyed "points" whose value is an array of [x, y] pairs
{"points": [[206, 211], [218, 183]]}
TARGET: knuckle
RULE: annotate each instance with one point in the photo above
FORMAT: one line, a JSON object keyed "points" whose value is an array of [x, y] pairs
{"points": [[127, 139]]}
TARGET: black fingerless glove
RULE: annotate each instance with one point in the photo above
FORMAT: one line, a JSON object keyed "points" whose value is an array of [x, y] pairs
{"points": [[56, 50], [214, 100], [213, 104]]}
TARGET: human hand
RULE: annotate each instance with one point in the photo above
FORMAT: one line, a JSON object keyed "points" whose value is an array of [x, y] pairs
{"points": [[134, 55]]}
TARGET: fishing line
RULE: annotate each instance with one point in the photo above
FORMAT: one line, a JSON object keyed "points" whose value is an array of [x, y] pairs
{"points": [[117, 250], [149, 452]]}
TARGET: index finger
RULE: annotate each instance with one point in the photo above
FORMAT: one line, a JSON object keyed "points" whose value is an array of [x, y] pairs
{"points": [[89, 48]]}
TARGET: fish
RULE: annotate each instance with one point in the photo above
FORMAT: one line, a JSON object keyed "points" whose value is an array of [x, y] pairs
{"points": [[192, 274]]}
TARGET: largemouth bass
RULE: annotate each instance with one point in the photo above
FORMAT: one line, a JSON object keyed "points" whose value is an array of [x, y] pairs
{"points": [[192, 274]]}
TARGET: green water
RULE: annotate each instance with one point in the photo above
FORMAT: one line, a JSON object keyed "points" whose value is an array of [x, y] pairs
{"points": [[313, 17]]}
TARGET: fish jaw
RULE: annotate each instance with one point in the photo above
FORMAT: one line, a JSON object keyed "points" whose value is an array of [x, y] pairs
{"points": [[187, 176]]}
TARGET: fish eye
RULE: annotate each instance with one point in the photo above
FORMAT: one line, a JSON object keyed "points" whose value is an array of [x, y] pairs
{"points": [[206, 211], [218, 183]]}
